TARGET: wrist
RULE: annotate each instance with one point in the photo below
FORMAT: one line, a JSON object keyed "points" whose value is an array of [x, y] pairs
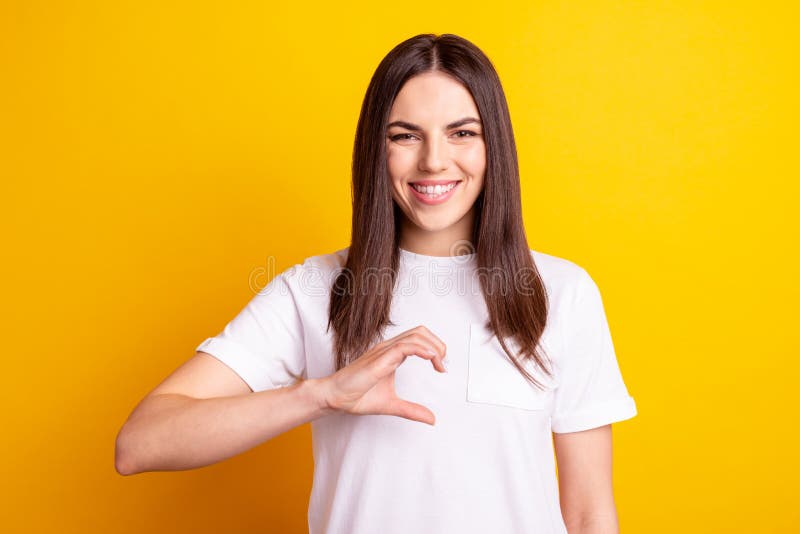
{"points": [[318, 392]]}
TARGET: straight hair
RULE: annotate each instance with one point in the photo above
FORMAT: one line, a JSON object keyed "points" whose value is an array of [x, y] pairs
{"points": [[360, 302]]}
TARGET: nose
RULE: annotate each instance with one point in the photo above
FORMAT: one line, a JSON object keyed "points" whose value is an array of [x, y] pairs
{"points": [[434, 157]]}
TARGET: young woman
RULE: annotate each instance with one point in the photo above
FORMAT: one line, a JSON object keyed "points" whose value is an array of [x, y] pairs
{"points": [[440, 361]]}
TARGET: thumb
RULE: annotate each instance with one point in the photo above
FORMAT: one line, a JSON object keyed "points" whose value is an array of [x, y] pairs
{"points": [[411, 410]]}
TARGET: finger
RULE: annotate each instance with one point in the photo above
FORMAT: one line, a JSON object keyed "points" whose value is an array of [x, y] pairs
{"points": [[425, 331], [426, 334], [397, 353], [421, 337], [441, 354], [412, 411]]}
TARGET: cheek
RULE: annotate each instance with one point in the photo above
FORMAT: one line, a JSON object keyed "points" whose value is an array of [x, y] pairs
{"points": [[473, 160], [399, 163]]}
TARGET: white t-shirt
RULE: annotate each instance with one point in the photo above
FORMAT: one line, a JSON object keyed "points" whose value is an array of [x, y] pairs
{"points": [[487, 465]]}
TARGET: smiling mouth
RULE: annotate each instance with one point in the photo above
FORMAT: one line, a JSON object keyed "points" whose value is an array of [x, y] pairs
{"points": [[434, 195], [434, 191]]}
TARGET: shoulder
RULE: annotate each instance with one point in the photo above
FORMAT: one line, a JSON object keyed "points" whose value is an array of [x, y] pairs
{"points": [[571, 289], [315, 274], [569, 286], [560, 275], [329, 263]]}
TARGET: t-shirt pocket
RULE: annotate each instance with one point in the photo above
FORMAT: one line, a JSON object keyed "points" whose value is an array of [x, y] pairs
{"points": [[493, 379]]}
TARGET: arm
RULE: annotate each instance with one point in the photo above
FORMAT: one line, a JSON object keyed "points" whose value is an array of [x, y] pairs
{"points": [[585, 481], [204, 413]]}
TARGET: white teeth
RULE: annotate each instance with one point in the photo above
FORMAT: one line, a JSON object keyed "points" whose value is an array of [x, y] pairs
{"points": [[434, 191]]}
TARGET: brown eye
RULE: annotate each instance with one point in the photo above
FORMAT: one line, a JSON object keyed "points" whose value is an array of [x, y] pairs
{"points": [[400, 137], [468, 132]]}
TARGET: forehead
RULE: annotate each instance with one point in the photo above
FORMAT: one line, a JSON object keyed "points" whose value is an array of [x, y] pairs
{"points": [[432, 99]]}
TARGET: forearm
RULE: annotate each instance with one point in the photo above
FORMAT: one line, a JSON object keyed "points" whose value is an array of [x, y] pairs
{"points": [[607, 524], [176, 432]]}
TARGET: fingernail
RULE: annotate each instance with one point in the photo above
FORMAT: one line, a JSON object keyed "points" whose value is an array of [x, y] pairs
{"points": [[445, 362]]}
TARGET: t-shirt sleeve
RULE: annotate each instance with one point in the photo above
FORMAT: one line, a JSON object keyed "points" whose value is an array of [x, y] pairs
{"points": [[591, 391], [264, 343]]}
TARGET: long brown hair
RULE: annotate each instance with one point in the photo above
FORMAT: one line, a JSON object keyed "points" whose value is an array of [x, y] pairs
{"points": [[360, 301]]}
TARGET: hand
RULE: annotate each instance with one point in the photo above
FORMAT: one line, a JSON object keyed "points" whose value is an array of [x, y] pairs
{"points": [[366, 386]]}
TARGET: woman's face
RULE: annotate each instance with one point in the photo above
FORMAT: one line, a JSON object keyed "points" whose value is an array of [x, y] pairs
{"points": [[435, 140]]}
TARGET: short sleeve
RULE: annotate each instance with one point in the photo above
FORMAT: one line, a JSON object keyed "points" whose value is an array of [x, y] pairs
{"points": [[264, 343], [590, 391]]}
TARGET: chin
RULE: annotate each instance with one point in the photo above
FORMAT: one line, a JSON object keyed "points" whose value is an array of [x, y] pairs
{"points": [[436, 224]]}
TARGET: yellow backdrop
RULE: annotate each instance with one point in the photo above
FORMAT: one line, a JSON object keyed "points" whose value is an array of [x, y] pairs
{"points": [[157, 154]]}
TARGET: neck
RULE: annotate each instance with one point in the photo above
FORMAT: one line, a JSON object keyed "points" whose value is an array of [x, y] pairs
{"points": [[451, 241]]}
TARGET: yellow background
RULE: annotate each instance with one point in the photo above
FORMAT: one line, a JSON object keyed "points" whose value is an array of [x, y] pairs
{"points": [[156, 154]]}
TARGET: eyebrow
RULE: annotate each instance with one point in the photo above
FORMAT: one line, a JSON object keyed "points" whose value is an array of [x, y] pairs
{"points": [[415, 128]]}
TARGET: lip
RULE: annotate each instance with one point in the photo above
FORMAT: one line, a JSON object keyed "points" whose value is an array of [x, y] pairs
{"points": [[434, 201], [434, 182]]}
